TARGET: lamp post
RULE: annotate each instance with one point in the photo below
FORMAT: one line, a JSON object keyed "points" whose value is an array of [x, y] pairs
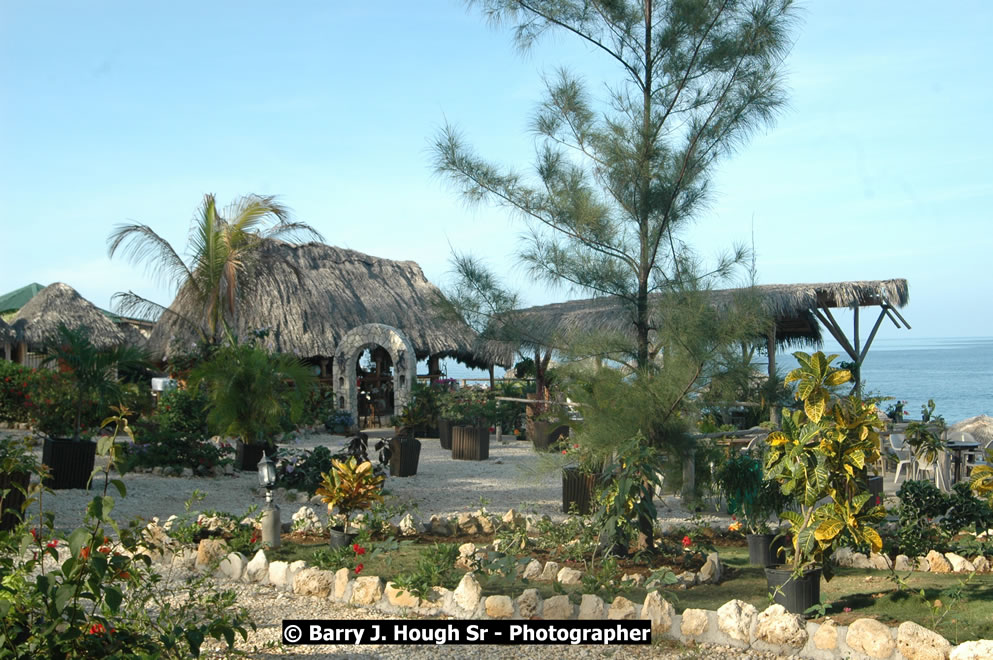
{"points": [[271, 526]]}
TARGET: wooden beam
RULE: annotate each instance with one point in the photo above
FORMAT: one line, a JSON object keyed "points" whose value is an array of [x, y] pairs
{"points": [[855, 335], [889, 313], [872, 335], [899, 316], [835, 331]]}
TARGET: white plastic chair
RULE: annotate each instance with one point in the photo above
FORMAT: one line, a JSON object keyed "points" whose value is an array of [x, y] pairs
{"points": [[904, 456]]}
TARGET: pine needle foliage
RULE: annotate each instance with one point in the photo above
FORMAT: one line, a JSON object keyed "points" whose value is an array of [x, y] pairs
{"points": [[618, 177]]}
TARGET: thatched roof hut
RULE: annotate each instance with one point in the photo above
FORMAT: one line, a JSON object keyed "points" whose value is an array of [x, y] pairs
{"points": [[37, 322], [980, 427], [793, 306], [6, 332], [317, 293]]}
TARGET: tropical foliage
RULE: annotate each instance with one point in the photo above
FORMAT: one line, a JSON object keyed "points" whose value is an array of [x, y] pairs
{"points": [[87, 377], [252, 393], [822, 452], [224, 259], [348, 486]]}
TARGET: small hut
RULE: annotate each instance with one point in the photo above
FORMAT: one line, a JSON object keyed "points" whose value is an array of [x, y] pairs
{"points": [[799, 310], [315, 294], [37, 322], [6, 338]]}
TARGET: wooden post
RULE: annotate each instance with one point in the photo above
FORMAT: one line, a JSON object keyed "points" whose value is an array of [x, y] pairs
{"points": [[492, 378], [770, 346], [434, 367]]}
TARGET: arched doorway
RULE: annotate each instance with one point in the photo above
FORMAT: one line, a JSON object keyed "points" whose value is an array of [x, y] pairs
{"points": [[373, 335]]}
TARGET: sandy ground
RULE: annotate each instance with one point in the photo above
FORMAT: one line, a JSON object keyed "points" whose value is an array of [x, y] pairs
{"points": [[514, 476]]}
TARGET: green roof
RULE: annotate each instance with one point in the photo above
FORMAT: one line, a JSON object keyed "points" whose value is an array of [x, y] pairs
{"points": [[14, 300]]}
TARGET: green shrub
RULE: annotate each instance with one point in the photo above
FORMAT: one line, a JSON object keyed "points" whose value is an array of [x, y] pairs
{"points": [[104, 600], [921, 503], [183, 412], [15, 392]]}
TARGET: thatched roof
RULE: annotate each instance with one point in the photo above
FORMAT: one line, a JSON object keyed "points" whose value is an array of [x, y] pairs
{"points": [[980, 427], [336, 291], [37, 322], [6, 332], [790, 304]]}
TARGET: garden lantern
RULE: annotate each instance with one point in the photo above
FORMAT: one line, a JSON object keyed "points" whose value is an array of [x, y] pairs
{"points": [[271, 525]]}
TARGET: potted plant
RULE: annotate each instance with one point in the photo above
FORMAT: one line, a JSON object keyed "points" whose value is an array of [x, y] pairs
{"points": [[470, 412], [17, 464], [581, 473], [405, 452], [340, 422], [72, 400], [348, 486], [253, 395], [817, 457], [549, 431], [444, 400], [752, 500]]}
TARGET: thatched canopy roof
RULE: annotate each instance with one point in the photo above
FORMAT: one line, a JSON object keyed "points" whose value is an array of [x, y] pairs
{"points": [[37, 322], [309, 305], [980, 427], [790, 304], [6, 332]]}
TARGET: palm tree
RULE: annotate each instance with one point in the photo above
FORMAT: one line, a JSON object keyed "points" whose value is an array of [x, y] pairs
{"points": [[224, 259]]}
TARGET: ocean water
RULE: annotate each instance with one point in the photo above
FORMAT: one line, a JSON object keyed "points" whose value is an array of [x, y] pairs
{"points": [[956, 372]]}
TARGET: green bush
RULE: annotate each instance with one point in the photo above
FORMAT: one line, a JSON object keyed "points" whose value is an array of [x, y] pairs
{"points": [[15, 392], [104, 600], [183, 412], [54, 402]]}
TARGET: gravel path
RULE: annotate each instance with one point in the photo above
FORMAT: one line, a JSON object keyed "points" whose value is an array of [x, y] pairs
{"points": [[514, 476]]}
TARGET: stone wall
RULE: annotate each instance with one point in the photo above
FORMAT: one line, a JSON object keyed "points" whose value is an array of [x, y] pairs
{"points": [[736, 623]]}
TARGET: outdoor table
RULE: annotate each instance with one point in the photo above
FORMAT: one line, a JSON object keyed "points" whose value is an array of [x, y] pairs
{"points": [[957, 449]]}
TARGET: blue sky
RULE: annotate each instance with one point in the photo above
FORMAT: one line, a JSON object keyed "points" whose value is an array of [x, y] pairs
{"points": [[115, 112]]}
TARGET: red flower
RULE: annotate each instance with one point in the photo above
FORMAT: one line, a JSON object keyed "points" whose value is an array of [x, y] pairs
{"points": [[97, 629], [359, 550], [104, 549], [84, 553], [687, 541], [51, 544], [358, 569], [34, 533]]}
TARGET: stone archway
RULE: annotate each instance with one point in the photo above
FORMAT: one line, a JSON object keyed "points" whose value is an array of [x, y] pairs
{"points": [[357, 340]]}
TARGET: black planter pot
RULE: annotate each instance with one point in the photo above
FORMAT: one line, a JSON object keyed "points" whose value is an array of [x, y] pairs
{"points": [[577, 489], [797, 595], [13, 501], [247, 457], [445, 433], [339, 539], [470, 443], [404, 455], [548, 435], [763, 549], [70, 462]]}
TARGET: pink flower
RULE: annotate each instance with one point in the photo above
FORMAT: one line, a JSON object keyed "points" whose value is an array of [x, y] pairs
{"points": [[847, 610]]}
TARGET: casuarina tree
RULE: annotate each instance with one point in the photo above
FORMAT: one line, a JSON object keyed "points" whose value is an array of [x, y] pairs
{"points": [[618, 177]]}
